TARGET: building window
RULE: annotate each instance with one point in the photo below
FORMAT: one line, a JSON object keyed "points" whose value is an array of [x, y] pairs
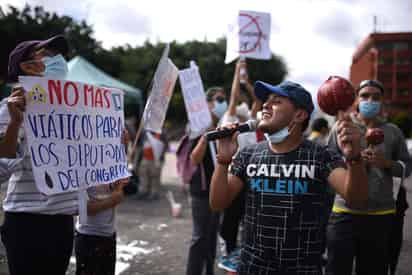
{"points": [[385, 77], [400, 46], [402, 61], [404, 92], [402, 77], [385, 46], [385, 60], [388, 93]]}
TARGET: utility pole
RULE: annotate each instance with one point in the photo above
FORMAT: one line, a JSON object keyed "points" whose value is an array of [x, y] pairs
{"points": [[375, 23]]}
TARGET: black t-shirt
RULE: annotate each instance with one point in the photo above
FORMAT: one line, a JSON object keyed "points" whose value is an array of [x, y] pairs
{"points": [[197, 188], [286, 196]]}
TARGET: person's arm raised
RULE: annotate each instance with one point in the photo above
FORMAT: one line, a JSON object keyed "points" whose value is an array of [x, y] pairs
{"points": [[256, 102], [235, 91], [199, 151], [350, 183]]}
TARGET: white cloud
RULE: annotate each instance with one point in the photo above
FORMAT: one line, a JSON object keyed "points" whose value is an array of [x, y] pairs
{"points": [[315, 37]]}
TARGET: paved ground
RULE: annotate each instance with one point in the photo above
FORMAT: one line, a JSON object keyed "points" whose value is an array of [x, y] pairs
{"points": [[150, 241]]}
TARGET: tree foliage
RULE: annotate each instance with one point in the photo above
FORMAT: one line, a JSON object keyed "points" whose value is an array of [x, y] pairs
{"points": [[132, 64]]}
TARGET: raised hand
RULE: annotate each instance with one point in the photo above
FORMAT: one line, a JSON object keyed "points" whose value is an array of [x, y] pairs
{"points": [[243, 75], [125, 138], [16, 103], [118, 193], [349, 136], [227, 147]]}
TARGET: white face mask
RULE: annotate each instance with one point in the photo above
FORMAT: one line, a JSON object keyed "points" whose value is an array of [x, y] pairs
{"points": [[55, 67], [220, 108], [278, 136], [243, 110]]}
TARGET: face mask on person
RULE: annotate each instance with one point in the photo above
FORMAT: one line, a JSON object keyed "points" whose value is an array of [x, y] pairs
{"points": [[55, 67], [220, 108], [278, 136], [243, 110], [369, 109]]}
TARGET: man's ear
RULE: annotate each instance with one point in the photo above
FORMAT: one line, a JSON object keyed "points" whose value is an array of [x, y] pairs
{"points": [[301, 116], [32, 68]]}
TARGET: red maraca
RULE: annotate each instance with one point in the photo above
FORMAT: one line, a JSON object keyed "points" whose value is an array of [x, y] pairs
{"points": [[374, 136], [335, 94]]}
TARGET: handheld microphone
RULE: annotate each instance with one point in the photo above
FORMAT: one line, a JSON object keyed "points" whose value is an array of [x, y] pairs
{"points": [[248, 126]]}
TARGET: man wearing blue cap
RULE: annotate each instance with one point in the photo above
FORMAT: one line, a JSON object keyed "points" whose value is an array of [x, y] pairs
{"points": [[38, 230], [287, 180]]}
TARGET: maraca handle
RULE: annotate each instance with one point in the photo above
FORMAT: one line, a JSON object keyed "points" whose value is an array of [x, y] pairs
{"points": [[340, 116]]}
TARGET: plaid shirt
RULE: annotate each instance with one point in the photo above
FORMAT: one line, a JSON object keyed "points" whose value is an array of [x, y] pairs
{"points": [[285, 207]]}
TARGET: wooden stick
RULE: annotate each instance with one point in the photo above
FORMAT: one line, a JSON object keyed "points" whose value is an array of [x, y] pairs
{"points": [[136, 139], [341, 116]]}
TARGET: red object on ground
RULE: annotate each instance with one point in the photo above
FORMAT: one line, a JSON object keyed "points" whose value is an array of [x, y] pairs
{"points": [[335, 94], [374, 136]]}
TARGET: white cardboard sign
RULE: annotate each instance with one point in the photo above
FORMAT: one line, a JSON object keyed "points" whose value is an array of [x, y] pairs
{"points": [[249, 36], [195, 100], [73, 133]]}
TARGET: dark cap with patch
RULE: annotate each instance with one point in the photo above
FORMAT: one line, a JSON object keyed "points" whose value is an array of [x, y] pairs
{"points": [[21, 51]]}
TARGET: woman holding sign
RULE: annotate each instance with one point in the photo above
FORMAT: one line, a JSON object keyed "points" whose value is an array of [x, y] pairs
{"points": [[38, 229]]}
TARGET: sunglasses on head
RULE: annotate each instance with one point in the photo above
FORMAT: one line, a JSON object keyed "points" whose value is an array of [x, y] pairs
{"points": [[371, 83]]}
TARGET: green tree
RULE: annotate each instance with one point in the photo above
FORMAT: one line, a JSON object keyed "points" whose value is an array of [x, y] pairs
{"points": [[139, 63], [36, 23], [134, 65]]}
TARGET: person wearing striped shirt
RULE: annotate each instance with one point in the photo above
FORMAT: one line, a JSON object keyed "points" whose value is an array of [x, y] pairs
{"points": [[38, 229]]}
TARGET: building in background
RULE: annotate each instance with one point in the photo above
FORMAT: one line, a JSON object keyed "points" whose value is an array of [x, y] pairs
{"points": [[387, 57]]}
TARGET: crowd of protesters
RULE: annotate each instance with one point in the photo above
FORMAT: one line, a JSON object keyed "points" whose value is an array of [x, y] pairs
{"points": [[296, 199], [345, 215]]}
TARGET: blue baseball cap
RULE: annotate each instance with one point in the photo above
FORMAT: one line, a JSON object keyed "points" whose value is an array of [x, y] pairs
{"points": [[293, 91]]}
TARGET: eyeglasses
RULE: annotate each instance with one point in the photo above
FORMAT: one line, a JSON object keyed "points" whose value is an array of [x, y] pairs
{"points": [[371, 83]]}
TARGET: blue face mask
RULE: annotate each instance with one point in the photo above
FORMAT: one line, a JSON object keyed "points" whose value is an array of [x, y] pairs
{"points": [[369, 109], [55, 67], [220, 108], [278, 137]]}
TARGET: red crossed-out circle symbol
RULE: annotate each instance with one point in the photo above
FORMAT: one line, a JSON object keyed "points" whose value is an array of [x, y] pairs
{"points": [[252, 32]]}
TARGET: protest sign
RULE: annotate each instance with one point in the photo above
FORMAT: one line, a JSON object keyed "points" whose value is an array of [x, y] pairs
{"points": [[249, 36], [164, 81], [195, 100], [73, 133]]}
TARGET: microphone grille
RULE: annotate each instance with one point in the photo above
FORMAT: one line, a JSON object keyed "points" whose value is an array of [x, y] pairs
{"points": [[252, 124]]}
